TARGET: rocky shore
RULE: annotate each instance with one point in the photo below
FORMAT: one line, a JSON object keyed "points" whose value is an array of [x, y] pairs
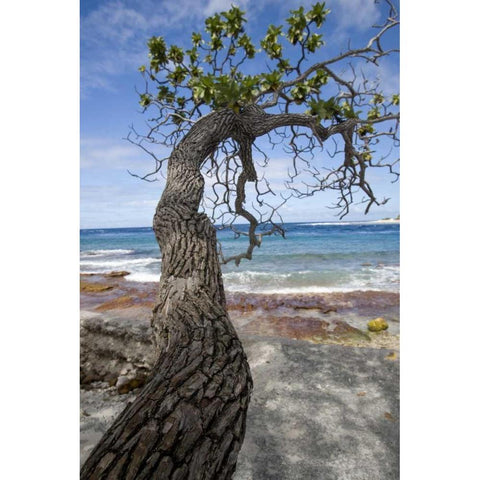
{"points": [[326, 387]]}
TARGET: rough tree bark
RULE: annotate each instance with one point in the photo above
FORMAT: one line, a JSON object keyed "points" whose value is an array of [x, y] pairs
{"points": [[189, 420]]}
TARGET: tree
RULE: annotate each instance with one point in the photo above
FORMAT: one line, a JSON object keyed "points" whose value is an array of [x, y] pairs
{"points": [[188, 422]]}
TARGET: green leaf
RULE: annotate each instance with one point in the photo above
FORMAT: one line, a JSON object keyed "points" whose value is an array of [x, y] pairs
{"points": [[396, 99], [270, 43], [214, 25], [373, 114], [178, 75], [216, 43], [158, 53], [318, 14], [245, 42], [234, 21], [164, 93], [320, 78], [313, 42], [192, 54], [175, 54], [347, 111], [181, 101], [271, 81], [299, 92], [298, 23], [324, 110], [283, 65], [365, 130], [196, 71], [196, 39], [202, 88], [145, 100]]}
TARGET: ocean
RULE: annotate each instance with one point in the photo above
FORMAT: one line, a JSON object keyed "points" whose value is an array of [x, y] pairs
{"points": [[312, 258]]}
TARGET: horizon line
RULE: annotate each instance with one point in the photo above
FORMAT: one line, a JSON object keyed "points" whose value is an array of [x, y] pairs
{"points": [[387, 220]]}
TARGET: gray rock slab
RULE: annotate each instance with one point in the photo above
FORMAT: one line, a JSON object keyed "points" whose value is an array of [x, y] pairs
{"points": [[325, 412]]}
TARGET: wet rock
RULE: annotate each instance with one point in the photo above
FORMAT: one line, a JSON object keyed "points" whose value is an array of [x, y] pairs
{"points": [[246, 302], [124, 301], [377, 325], [124, 294], [127, 383], [311, 329], [121, 273], [362, 302], [89, 287]]}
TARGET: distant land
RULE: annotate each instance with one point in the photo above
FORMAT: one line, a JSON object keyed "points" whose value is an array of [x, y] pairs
{"points": [[388, 220]]}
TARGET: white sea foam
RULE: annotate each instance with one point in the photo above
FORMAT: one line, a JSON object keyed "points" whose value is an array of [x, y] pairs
{"points": [[377, 278], [120, 263], [118, 251], [143, 277], [340, 224], [295, 290], [251, 275]]}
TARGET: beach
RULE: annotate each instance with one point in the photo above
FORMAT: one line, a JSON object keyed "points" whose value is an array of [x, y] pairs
{"points": [[326, 388]]}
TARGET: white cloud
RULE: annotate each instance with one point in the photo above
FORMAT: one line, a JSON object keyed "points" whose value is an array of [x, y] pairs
{"points": [[114, 153], [214, 6], [100, 152], [113, 36], [358, 14], [118, 205], [113, 40]]}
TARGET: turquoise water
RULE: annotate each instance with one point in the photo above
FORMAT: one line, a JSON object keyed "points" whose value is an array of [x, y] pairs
{"points": [[314, 257]]}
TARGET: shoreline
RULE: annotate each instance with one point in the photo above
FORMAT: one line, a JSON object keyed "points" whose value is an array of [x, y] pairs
{"points": [[109, 278], [115, 324], [113, 277], [330, 317]]}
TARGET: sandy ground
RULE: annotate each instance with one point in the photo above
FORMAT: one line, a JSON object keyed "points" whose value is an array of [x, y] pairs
{"points": [[317, 412]]}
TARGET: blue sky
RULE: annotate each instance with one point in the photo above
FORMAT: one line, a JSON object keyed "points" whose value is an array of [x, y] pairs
{"points": [[113, 46]]}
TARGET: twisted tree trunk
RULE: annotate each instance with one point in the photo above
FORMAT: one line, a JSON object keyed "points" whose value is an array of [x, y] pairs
{"points": [[189, 420]]}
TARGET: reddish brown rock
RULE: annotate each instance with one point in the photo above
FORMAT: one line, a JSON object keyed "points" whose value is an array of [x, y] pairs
{"points": [[114, 274], [304, 328], [88, 287]]}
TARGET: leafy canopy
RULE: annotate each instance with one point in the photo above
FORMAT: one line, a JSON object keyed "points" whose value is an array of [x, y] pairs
{"points": [[220, 69], [209, 73]]}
